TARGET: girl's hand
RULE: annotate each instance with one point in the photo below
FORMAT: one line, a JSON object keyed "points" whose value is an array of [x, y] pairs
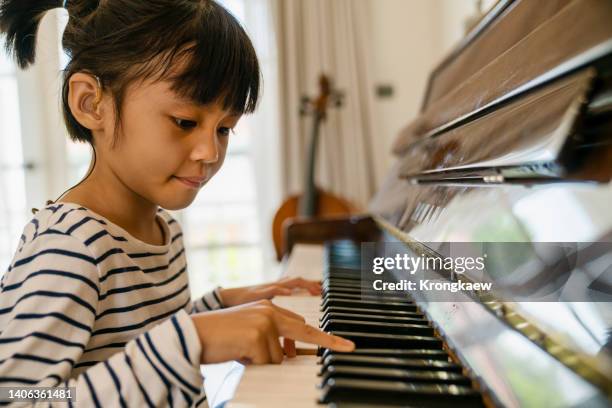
{"points": [[250, 334], [238, 296]]}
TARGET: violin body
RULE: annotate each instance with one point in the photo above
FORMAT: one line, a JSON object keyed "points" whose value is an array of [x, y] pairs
{"points": [[327, 205]]}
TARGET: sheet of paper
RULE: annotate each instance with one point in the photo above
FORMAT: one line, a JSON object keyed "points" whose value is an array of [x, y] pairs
{"points": [[294, 382]]}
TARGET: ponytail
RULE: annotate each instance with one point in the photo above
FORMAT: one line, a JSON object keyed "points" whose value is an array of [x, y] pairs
{"points": [[19, 21]]}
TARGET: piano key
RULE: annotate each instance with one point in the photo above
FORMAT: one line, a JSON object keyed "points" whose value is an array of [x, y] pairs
{"points": [[373, 311], [334, 325], [411, 376], [389, 362], [349, 290], [343, 275], [423, 354], [354, 281], [373, 340], [396, 392], [374, 318], [338, 302], [380, 297]]}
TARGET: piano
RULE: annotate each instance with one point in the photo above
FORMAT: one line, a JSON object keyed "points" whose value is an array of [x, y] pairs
{"points": [[511, 156]]}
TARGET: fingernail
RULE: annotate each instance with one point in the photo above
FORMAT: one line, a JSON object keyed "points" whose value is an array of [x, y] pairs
{"points": [[347, 344]]}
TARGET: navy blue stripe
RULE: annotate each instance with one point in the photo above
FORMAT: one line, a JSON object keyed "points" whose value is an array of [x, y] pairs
{"points": [[101, 234], [92, 390], [35, 222], [86, 364], [141, 304], [142, 390], [108, 253], [109, 345], [50, 294], [206, 303], [54, 209], [137, 325], [143, 285], [63, 216], [95, 237], [181, 337], [217, 298], [60, 316], [51, 231], [159, 373], [177, 236], [22, 380], [168, 367], [172, 221], [64, 252], [42, 336], [78, 224], [146, 254], [201, 400], [29, 380], [55, 273], [39, 359], [22, 238], [117, 384], [119, 270]]}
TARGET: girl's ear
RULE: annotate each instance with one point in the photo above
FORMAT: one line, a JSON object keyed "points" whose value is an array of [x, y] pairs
{"points": [[85, 101]]}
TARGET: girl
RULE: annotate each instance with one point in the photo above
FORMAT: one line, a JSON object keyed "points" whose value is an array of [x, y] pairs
{"points": [[97, 296]]}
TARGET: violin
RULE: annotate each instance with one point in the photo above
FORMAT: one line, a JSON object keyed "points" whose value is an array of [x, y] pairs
{"points": [[314, 202]]}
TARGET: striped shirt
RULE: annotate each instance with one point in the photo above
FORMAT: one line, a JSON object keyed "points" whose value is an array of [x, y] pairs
{"points": [[84, 304]]}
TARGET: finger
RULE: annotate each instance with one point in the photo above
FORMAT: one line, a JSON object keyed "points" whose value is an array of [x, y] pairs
{"points": [[275, 350], [308, 334], [261, 352], [289, 347], [288, 313], [313, 287], [274, 290]]}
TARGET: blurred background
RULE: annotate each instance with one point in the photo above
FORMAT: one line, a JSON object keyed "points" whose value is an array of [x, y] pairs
{"points": [[379, 54]]}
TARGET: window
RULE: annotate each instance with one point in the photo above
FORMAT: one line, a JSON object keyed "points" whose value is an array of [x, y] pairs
{"points": [[12, 168]]}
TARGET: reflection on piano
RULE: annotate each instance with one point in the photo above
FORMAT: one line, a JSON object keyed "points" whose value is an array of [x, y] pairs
{"points": [[513, 144]]}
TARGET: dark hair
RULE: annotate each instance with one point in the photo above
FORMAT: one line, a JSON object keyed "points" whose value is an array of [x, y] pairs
{"points": [[121, 41]]}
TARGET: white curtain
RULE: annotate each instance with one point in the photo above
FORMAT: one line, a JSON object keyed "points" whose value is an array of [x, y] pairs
{"points": [[326, 36]]}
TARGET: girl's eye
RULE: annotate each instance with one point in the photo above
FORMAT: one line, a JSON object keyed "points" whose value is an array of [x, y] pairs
{"points": [[185, 124], [225, 131]]}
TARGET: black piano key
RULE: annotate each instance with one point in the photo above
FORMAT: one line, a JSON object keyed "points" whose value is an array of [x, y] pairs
{"points": [[396, 392], [350, 277], [380, 297], [348, 290], [372, 311], [422, 354], [334, 325], [355, 282], [374, 340], [389, 362], [394, 374], [373, 318], [360, 304]]}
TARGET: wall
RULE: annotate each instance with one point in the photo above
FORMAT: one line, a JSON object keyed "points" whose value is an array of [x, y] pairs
{"points": [[408, 39]]}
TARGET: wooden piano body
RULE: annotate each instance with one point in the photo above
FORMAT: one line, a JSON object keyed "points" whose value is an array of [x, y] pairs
{"points": [[513, 144]]}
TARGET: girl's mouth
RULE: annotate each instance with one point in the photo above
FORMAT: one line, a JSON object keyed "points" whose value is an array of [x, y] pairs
{"points": [[192, 182]]}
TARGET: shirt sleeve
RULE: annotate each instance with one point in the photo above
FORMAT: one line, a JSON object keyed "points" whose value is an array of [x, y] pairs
{"points": [[210, 301], [48, 307]]}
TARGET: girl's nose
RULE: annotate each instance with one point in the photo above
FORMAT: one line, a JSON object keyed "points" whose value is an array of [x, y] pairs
{"points": [[207, 148]]}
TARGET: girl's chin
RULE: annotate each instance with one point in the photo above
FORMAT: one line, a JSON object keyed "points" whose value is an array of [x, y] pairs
{"points": [[177, 201]]}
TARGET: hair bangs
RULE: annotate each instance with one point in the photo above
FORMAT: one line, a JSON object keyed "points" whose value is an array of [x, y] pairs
{"points": [[220, 64]]}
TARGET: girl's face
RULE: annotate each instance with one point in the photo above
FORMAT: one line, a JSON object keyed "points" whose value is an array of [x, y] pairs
{"points": [[167, 147]]}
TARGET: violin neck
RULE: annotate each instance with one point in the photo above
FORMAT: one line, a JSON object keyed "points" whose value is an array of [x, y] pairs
{"points": [[308, 203]]}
